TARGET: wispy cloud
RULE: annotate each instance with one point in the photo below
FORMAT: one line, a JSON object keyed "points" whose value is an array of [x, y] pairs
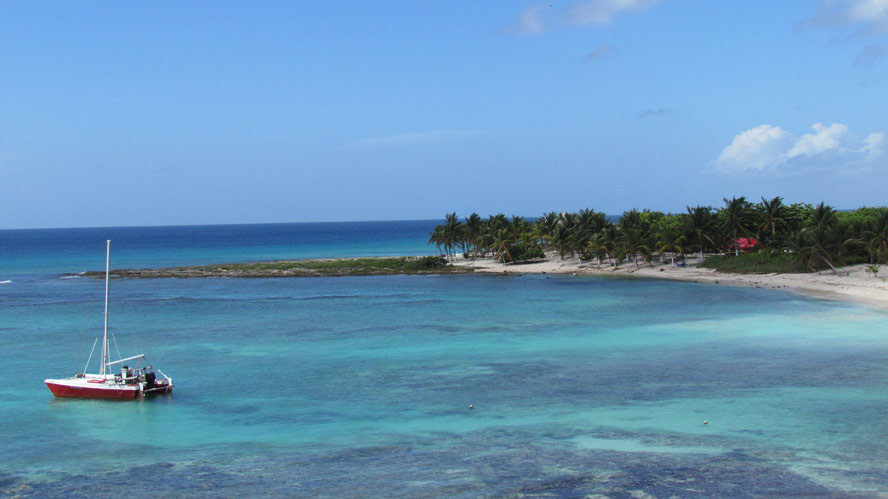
{"points": [[601, 51], [538, 19], [528, 22], [656, 111], [867, 16], [602, 12], [871, 55], [832, 147], [854, 20], [411, 139]]}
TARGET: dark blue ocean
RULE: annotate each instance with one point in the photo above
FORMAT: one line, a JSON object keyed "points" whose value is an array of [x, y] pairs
{"points": [[41, 251], [361, 386]]}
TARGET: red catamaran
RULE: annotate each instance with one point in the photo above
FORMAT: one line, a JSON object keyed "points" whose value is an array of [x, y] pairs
{"points": [[127, 384]]}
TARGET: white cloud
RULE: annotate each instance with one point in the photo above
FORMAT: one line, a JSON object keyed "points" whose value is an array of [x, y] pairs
{"points": [[874, 145], [823, 139], [602, 12], [755, 149], [831, 147], [410, 139], [529, 22]]}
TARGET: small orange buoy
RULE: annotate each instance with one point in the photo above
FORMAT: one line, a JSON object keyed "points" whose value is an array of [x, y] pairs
{"points": [[471, 407]]}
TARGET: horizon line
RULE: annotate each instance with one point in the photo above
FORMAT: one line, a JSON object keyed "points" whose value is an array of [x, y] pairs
{"points": [[7, 229]]}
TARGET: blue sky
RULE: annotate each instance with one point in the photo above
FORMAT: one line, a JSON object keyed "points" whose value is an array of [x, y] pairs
{"points": [[237, 112]]}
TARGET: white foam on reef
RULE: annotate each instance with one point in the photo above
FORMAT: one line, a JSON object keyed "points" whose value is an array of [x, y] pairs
{"points": [[6, 282]]}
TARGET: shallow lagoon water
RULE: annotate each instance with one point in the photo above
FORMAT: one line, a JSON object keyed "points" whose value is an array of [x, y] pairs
{"points": [[361, 386]]}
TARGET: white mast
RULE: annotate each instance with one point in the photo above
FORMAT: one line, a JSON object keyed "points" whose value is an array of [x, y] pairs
{"points": [[106, 348]]}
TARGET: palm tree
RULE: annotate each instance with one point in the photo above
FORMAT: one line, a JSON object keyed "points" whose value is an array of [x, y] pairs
{"points": [[472, 230], [771, 215], [520, 224], [844, 236], [563, 240], [568, 236], [597, 244], [612, 244], [699, 223], [877, 239], [452, 232], [630, 220], [812, 247], [437, 237], [497, 222], [670, 239], [591, 221], [795, 244], [721, 241], [502, 242], [547, 224], [635, 242], [823, 215], [736, 214]]}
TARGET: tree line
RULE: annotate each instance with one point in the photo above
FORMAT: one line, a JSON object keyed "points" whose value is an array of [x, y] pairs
{"points": [[811, 237]]}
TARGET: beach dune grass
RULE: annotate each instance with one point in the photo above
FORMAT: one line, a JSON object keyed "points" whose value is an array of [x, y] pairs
{"points": [[752, 263]]}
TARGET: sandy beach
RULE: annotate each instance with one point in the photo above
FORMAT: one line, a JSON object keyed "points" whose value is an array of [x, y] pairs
{"points": [[852, 283]]}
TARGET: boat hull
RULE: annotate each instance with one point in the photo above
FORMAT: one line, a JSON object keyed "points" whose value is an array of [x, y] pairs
{"points": [[158, 390], [83, 391]]}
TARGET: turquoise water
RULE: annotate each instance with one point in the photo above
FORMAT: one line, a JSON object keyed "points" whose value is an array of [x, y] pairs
{"points": [[360, 386]]}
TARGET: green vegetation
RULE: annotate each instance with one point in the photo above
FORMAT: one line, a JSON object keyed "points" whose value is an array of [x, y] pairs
{"points": [[512, 240], [784, 238], [346, 266], [752, 263], [435, 264]]}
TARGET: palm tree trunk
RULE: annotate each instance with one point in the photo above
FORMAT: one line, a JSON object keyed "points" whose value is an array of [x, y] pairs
{"points": [[835, 271]]}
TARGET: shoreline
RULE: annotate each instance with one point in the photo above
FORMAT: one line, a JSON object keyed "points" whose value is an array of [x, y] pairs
{"points": [[852, 284]]}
